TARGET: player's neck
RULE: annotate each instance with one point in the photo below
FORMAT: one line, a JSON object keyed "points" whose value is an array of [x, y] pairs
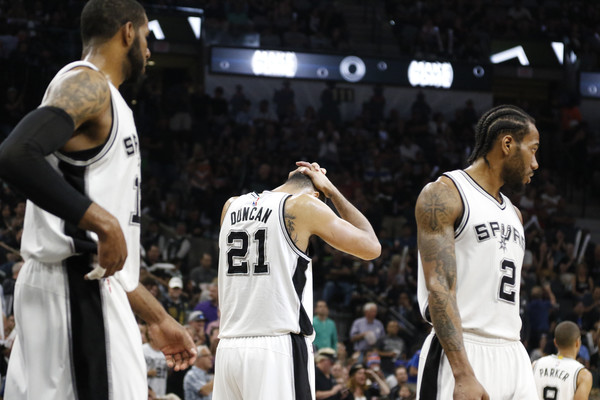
{"points": [[570, 353], [101, 58], [487, 176]]}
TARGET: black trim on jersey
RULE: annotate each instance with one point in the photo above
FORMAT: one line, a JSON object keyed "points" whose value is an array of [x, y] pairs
{"points": [[484, 192], [89, 357], [75, 176], [299, 281], [286, 234], [429, 380], [466, 212], [300, 361], [90, 156]]}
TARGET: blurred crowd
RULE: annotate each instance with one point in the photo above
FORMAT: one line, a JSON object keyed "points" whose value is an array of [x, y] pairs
{"points": [[199, 148]]}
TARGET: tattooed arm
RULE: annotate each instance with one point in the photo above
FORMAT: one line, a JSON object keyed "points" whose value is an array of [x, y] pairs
{"points": [[438, 208], [305, 216]]}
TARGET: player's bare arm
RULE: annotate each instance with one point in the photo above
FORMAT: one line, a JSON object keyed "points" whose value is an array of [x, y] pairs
{"points": [[83, 93], [438, 208], [584, 385], [352, 233], [172, 339]]}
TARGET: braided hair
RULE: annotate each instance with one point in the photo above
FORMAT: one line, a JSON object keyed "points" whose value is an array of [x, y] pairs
{"points": [[505, 118]]}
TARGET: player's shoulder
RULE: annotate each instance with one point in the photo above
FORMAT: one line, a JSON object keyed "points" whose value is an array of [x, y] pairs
{"points": [[441, 192], [82, 92]]}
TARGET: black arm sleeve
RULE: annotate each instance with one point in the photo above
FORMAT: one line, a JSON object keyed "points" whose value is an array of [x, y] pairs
{"points": [[23, 163]]}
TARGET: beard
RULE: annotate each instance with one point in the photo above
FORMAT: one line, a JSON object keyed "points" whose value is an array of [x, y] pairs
{"points": [[513, 173], [136, 61]]}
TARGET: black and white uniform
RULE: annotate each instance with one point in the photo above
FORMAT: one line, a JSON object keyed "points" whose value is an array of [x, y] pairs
{"points": [[265, 288], [556, 377], [79, 339], [489, 247]]}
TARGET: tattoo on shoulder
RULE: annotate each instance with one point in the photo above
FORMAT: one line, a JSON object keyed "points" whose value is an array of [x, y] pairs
{"points": [[436, 209], [81, 95], [290, 225]]}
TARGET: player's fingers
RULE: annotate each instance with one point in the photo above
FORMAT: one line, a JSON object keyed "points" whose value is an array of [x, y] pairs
{"points": [[316, 166], [170, 362], [324, 171]]}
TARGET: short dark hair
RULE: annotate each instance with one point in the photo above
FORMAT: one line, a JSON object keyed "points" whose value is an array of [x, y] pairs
{"points": [[299, 179], [101, 19], [566, 334], [504, 118]]}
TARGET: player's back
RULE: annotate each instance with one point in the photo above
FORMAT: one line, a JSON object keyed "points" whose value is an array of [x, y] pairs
{"points": [[556, 377], [265, 281]]}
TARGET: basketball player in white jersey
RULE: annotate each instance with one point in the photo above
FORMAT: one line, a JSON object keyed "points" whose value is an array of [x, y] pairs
{"points": [[561, 376], [471, 246], [77, 159], [265, 283]]}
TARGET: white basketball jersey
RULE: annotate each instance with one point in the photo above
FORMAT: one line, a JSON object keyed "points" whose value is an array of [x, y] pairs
{"points": [[265, 281], [110, 176], [489, 246], [556, 377]]}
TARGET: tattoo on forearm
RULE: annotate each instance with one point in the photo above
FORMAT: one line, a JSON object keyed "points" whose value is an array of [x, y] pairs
{"points": [[81, 95], [291, 227], [442, 307]]}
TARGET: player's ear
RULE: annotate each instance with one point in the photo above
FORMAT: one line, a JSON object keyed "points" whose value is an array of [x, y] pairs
{"points": [[128, 33]]}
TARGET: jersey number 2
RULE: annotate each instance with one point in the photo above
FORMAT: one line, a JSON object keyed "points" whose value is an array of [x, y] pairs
{"points": [[507, 283], [237, 255]]}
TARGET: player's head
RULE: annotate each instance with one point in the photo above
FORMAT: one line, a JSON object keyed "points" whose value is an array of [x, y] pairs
{"points": [[514, 131], [101, 20], [567, 335], [301, 181]]}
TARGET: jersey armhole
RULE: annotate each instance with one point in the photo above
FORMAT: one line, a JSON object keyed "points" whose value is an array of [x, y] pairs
{"points": [[464, 218], [286, 234]]}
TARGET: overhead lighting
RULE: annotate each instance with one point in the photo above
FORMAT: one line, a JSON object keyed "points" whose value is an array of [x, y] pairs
{"points": [[196, 25], [155, 28], [514, 52]]}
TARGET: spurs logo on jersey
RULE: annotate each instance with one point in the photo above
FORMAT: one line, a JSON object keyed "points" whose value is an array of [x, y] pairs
{"points": [[265, 281], [110, 176], [489, 247], [556, 377]]}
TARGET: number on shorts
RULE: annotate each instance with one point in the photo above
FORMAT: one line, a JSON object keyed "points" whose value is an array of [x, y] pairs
{"points": [[237, 255], [507, 283], [550, 393]]}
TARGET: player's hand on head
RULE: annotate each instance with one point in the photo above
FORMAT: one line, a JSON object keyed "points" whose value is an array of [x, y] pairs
{"points": [[317, 175], [175, 343]]}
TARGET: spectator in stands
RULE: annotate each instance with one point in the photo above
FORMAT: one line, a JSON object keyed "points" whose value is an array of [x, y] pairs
{"points": [[174, 303], [198, 381], [339, 280], [327, 388], [197, 322], [391, 347], [206, 272], [210, 307], [365, 331], [325, 329], [366, 383]]}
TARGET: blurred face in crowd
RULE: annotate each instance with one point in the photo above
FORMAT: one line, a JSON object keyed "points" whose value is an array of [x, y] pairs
{"points": [[321, 309]]}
